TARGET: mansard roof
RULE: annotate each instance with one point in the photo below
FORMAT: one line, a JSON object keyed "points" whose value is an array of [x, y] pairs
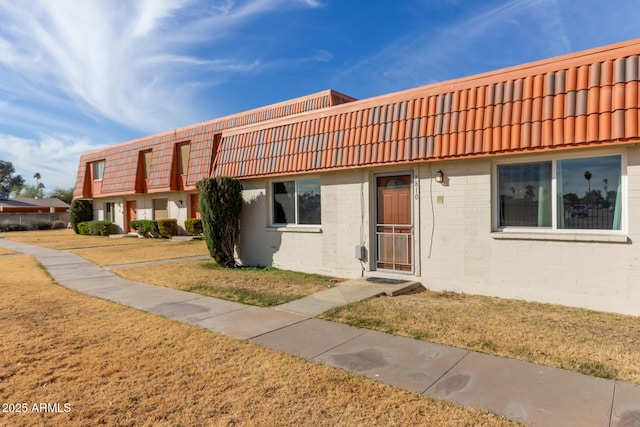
{"points": [[577, 100]]}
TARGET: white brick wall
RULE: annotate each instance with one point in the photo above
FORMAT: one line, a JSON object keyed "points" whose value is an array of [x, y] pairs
{"points": [[461, 253]]}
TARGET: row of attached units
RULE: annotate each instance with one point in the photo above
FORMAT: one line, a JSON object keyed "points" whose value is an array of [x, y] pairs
{"points": [[520, 183]]}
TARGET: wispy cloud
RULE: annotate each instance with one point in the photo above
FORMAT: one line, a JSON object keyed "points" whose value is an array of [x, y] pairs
{"points": [[137, 64], [54, 157], [99, 56]]}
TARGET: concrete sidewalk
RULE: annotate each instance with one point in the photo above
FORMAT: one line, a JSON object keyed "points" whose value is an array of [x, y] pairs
{"points": [[532, 394]]}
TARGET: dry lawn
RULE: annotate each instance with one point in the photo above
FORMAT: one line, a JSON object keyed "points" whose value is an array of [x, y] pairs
{"points": [[149, 250], [4, 251], [67, 239], [590, 342], [257, 286], [114, 365]]}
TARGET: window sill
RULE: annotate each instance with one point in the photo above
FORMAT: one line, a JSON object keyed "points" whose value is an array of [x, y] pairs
{"points": [[561, 237], [296, 229]]}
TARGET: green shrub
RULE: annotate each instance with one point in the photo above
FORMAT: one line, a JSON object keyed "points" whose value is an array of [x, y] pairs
{"points": [[102, 228], [193, 226], [11, 226], [96, 228], [145, 227], [41, 225], [220, 205], [83, 228], [58, 224], [80, 211], [168, 227]]}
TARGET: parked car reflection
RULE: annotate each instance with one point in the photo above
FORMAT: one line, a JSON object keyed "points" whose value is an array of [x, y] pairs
{"points": [[580, 211]]}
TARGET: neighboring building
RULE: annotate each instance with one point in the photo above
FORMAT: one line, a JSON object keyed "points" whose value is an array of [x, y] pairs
{"points": [[519, 183], [33, 205], [23, 210]]}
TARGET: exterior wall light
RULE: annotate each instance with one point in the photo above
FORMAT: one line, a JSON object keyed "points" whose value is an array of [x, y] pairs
{"points": [[439, 176]]}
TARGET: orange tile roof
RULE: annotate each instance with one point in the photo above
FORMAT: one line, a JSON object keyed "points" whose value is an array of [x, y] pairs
{"points": [[121, 161], [576, 100]]}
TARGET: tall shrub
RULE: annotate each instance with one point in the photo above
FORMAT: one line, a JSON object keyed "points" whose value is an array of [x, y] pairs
{"points": [[80, 211], [220, 205], [168, 227]]}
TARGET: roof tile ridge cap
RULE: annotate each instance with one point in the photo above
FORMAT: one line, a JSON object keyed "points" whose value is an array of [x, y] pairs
{"points": [[545, 65]]}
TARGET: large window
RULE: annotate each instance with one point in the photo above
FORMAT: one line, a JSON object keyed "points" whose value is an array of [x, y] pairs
{"points": [[581, 193], [98, 170], [296, 202]]}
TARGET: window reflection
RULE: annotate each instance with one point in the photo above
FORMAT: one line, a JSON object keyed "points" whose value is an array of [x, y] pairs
{"points": [[525, 195], [589, 193]]}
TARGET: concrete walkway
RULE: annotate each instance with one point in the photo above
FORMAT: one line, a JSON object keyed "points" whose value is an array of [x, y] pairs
{"points": [[532, 394]]}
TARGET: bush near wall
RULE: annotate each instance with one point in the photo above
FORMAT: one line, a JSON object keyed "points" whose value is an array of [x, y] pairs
{"points": [[58, 224], [145, 227], [193, 226], [9, 226], [96, 228], [80, 211], [41, 225], [168, 227]]}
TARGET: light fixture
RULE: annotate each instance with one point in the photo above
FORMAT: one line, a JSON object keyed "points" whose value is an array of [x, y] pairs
{"points": [[439, 176], [180, 201]]}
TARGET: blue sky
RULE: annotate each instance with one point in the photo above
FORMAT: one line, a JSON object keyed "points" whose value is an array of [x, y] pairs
{"points": [[78, 75]]}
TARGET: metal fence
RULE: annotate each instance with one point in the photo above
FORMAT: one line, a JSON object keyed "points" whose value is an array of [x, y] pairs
{"points": [[33, 218]]}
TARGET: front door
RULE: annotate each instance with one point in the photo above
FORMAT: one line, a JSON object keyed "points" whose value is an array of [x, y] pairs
{"points": [[195, 205], [394, 223], [131, 214]]}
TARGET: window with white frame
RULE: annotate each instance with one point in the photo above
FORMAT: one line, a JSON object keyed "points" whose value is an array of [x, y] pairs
{"points": [[574, 193], [98, 170], [296, 202], [110, 212]]}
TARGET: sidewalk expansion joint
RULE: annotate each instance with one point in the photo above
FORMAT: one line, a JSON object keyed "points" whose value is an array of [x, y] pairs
{"points": [[446, 372], [364, 332]]}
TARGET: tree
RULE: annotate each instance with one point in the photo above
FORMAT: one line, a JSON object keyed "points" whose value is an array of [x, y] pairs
{"points": [[220, 205], [39, 185], [587, 176], [26, 190], [62, 194], [81, 211], [8, 182]]}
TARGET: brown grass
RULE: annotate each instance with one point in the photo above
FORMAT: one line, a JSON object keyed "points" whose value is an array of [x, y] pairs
{"points": [[590, 342], [67, 239], [256, 286], [118, 366], [4, 251], [149, 250]]}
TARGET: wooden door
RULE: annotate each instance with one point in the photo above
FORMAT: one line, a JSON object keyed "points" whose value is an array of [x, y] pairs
{"points": [[394, 223], [131, 214], [195, 206]]}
